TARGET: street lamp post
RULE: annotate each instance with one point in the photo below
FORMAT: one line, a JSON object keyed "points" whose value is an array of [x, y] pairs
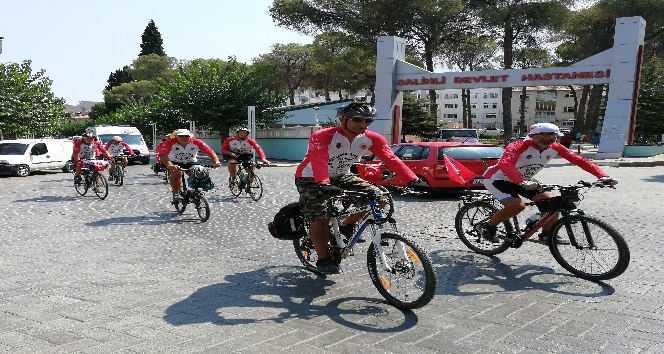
{"points": [[1, 38], [154, 135], [316, 108]]}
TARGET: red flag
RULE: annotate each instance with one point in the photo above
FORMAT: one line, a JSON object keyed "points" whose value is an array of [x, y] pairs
{"points": [[458, 172]]}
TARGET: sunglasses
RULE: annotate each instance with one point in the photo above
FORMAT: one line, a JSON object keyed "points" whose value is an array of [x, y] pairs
{"points": [[361, 120]]}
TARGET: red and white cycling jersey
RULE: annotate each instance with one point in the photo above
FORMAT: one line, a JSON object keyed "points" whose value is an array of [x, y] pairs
{"points": [[239, 147], [331, 154], [88, 151], [183, 154], [522, 160], [116, 149]]}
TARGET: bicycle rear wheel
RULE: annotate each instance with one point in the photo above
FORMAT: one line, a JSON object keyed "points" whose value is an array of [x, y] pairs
{"points": [[234, 186], [468, 224], [304, 249], [411, 281], [202, 206], [255, 188], [100, 185], [596, 251]]}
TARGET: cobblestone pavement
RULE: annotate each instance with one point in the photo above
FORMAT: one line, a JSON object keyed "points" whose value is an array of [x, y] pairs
{"points": [[129, 275]]}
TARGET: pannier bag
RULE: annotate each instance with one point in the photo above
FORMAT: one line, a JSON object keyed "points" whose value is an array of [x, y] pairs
{"points": [[288, 223]]}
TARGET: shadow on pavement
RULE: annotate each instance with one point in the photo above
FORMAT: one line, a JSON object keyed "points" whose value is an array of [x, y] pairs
{"points": [[464, 273], [280, 295]]}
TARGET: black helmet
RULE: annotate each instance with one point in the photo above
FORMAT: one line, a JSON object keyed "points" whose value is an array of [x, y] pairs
{"points": [[357, 109], [198, 173]]}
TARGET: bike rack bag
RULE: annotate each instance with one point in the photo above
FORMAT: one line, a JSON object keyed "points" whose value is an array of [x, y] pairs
{"points": [[288, 223]]}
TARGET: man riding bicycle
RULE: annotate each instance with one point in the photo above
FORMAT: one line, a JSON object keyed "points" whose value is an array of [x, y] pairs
{"points": [[84, 150], [511, 178], [116, 148], [238, 148], [180, 152], [326, 167]]}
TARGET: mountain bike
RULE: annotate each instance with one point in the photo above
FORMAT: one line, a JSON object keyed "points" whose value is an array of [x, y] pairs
{"points": [[401, 270], [193, 192], [246, 180], [92, 177], [117, 172], [584, 245]]}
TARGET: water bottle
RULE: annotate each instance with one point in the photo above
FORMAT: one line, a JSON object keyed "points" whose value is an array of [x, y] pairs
{"points": [[530, 222]]}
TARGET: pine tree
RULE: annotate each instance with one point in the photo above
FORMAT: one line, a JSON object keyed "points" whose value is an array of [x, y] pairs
{"points": [[151, 41], [118, 77]]}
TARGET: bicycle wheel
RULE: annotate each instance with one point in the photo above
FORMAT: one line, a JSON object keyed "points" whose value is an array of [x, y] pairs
{"points": [[181, 204], [304, 249], [597, 251], [167, 176], [468, 222], [202, 206], [100, 185], [82, 188], [234, 186], [410, 282], [388, 209], [255, 188], [119, 176]]}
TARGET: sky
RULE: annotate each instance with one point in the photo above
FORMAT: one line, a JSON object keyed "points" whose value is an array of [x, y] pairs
{"points": [[80, 42]]}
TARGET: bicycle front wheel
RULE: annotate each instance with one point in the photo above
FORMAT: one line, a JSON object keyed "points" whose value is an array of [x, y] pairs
{"points": [[100, 185], [202, 207], [468, 224], [82, 187], [119, 176], [589, 248], [255, 187], [410, 281]]}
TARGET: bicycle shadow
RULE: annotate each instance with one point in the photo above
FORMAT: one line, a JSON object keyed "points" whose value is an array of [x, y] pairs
{"points": [[50, 199], [464, 273], [153, 219], [283, 294]]}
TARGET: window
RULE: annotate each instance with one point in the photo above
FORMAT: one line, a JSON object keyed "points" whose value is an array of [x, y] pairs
{"points": [[475, 95], [451, 105], [474, 105], [569, 109], [413, 152], [527, 96], [569, 94], [473, 116], [491, 105], [38, 149], [490, 116], [490, 95], [471, 152], [450, 115], [451, 95]]}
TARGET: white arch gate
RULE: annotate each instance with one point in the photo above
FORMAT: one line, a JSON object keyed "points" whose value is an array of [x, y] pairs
{"points": [[618, 66]]}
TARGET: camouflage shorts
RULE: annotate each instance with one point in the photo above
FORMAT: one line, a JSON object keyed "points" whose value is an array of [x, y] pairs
{"points": [[314, 203]]}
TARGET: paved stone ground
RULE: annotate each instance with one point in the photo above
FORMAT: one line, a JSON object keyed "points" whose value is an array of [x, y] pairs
{"points": [[129, 275]]}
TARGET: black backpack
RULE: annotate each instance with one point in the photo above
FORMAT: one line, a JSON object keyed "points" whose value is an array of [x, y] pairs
{"points": [[288, 223]]}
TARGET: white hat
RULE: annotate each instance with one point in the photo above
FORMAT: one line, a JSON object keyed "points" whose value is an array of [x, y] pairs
{"points": [[182, 132], [544, 128]]}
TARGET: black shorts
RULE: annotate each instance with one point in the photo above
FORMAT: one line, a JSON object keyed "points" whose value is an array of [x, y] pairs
{"points": [[185, 165], [505, 190], [240, 158]]}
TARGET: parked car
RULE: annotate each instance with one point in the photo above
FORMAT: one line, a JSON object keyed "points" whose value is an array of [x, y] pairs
{"points": [[518, 138], [23, 156], [426, 160]]}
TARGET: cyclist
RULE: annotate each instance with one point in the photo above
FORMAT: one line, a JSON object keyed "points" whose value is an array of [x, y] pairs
{"points": [[180, 152], [238, 148], [116, 148], [88, 148], [331, 153], [511, 178], [158, 166]]}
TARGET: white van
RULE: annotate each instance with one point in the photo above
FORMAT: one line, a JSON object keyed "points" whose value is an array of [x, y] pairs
{"points": [[130, 135], [22, 156]]}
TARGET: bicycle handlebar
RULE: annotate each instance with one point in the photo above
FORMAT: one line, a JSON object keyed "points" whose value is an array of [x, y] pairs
{"points": [[580, 184]]}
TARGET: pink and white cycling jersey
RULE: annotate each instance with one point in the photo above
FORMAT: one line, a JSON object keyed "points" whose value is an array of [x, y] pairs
{"points": [[183, 154], [522, 160], [331, 154], [239, 147], [116, 149], [88, 151]]}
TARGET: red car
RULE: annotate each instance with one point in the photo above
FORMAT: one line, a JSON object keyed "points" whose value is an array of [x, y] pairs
{"points": [[426, 160]]}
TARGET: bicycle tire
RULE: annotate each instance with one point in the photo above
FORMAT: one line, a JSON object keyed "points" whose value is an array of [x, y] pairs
{"points": [[388, 209], [100, 185], [467, 223], [82, 188], [584, 261], [202, 206], [119, 176], [411, 283], [167, 176], [255, 188], [234, 186]]}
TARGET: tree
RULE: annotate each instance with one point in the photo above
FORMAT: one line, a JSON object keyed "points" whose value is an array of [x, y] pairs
{"points": [[291, 64], [518, 23], [151, 42], [118, 77], [417, 118], [146, 71], [27, 104], [649, 121]]}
